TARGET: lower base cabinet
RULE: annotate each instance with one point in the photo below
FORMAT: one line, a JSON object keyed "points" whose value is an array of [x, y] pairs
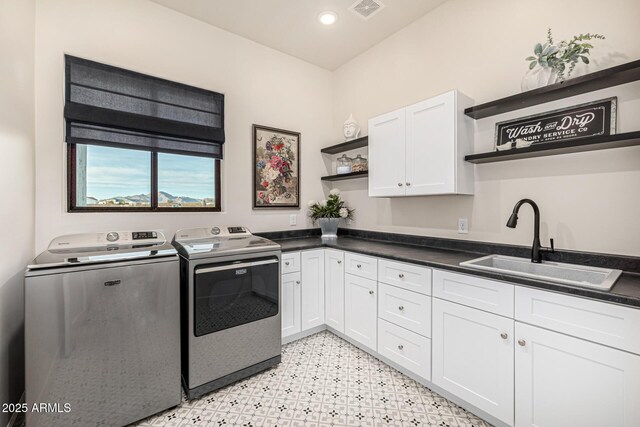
{"points": [[361, 310], [406, 348], [473, 357], [567, 381], [290, 304]]}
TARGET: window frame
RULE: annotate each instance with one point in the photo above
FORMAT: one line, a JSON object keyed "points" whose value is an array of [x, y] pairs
{"points": [[72, 190]]}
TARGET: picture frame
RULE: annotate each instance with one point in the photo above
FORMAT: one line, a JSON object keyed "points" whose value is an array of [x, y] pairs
{"points": [[276, 168], [586, 120]]}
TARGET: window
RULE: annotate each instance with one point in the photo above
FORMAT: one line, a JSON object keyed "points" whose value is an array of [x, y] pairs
{"points": [[140, 143], [116, 179]]}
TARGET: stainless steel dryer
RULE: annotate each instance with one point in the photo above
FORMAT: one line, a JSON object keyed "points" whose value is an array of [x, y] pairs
{"points": [[102, 333], [230, 290]]}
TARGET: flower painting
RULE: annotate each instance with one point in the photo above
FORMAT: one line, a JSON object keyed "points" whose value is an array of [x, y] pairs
{"points": [[276, 168]]}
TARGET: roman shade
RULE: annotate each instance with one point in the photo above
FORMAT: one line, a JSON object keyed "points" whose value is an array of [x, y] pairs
{"points": [[111, 106]]}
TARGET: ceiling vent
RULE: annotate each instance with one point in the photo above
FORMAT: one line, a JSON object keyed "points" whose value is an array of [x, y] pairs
{"points": [[365, 9]]}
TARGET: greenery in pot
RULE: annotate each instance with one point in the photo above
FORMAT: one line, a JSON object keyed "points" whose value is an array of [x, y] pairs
{"points": [[333, 207], [564, 54]]}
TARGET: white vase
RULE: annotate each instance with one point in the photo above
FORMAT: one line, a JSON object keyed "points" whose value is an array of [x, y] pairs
{"points": [[539, 77], [329, 227]]}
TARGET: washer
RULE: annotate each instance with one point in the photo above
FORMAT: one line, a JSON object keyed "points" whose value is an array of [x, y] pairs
{"points": [[230, 290], [102, 335]]}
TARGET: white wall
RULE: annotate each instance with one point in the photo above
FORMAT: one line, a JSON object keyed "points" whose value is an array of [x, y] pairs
{"points": [[261, 86], [589, 201], [16, 209]]}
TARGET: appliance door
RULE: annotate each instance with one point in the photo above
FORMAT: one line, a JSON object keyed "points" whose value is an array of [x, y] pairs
{"points": [[235, 293], [104, 341]]}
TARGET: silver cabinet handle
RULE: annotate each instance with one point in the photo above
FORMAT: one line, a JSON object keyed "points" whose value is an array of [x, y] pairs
{"points": [[286, 263], [400, 347], [339, 262], [408, 184], [522, 343], [359, 266], [370, 292], [504, 336], [401, 276], [401, 308]]}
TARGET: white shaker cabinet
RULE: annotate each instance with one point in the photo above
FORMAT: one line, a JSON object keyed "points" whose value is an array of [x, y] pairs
{"points": [[361, 310], [334, 289], [312, 297], [566, 381], [473, 357], [290, 304], [419, 150]]}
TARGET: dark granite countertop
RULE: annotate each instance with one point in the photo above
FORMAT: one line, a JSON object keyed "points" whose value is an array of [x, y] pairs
{"points": [[626, 291]]}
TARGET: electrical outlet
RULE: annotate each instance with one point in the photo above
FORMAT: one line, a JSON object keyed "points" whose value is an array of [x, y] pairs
{"points": [[463, 226], [293, 219]]}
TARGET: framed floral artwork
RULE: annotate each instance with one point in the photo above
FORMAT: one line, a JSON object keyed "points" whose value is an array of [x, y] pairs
{"points": [[276, 168]]}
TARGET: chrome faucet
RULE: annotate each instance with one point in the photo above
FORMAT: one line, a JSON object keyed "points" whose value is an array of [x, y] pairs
{"points": [[536, 248]]}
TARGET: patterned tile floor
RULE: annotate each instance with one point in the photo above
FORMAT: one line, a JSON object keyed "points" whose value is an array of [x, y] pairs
{"points": [[322, 381]]}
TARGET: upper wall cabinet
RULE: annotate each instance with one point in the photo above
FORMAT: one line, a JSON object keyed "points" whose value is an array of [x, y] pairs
{"points": [[419, 150]]}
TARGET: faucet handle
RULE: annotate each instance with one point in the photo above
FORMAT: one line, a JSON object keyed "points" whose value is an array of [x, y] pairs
{"points": [[552, 247]]}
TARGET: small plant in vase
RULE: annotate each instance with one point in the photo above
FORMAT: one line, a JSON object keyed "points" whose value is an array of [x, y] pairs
{"points": [[329, 212], [555, 61]]}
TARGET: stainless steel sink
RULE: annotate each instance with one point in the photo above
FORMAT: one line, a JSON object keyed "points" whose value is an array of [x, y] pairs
{"points": [[568, 274]]}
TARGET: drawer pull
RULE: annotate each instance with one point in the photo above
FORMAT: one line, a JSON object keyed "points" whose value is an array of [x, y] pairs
{"points": [[286, 263], [408, 184], [504, 336], [370, 292], [399, 184], [400, 347], [401, 308], [339, 262], [297, 282], [359, 265], [522, 343], [401, 276]]}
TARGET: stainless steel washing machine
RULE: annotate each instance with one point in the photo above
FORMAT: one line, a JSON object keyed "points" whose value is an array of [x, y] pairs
{"points": [[230, 290], [102, 334]]}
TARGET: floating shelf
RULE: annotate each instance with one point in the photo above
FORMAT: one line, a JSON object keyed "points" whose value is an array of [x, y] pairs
{"points": [[346, 146], [559, 147], [609, 77], [344, 176]]}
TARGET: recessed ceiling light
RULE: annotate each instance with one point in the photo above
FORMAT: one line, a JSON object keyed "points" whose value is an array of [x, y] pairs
{"points": [[328, 17]]}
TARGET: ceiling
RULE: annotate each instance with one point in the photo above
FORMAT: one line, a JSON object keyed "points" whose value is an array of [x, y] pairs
{"points": [[292, 26]]}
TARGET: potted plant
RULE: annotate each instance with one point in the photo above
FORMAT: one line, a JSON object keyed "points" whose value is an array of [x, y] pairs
{"points": [[329, 212], [555, 61]]}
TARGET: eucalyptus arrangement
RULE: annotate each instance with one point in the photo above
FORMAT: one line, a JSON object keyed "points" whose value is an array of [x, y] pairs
{"points": [[333, 207], [562, 56]]}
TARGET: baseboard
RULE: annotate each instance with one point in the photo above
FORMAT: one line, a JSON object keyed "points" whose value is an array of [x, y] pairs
{"points": [[14, 416], [303, 334]]}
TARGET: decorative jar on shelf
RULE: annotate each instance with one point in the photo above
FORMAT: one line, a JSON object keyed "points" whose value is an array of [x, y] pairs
{"points": [[344, 164], [360, 164]]}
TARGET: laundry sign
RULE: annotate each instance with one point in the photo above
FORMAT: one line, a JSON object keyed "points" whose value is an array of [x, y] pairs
{"points": [[581, 121]]}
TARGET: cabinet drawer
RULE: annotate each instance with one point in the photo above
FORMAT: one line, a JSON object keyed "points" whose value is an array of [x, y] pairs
{"points": [[405, 308], [290, 262], [604, 323], [406, 348], [488, 295], [361, 265], [407, 276]]}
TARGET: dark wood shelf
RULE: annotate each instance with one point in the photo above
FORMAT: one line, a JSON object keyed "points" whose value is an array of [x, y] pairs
{"points": [[609, 77], [345, 176], [346, 146], [560, 147]]}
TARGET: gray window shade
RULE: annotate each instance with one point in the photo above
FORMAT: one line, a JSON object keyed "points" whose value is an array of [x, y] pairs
{"points": [[107, 105]]}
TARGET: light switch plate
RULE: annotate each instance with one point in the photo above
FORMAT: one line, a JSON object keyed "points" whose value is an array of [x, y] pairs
{"points": [[293, 219], [463, 226]]}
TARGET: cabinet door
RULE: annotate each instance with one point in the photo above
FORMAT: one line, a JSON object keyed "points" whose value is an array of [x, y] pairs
{"points": [[473, 357], [566, 381], [361, 310], [312, 269], [290, 304], [430, 146], [334, 289], [387, 154]]}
